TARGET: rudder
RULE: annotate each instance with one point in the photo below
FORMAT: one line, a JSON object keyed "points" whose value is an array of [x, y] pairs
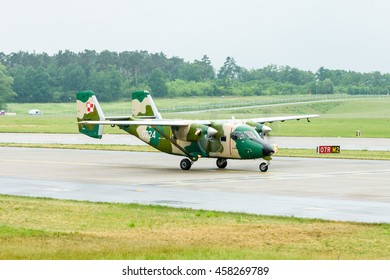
{"points": [[88, 109], [143, 106]]}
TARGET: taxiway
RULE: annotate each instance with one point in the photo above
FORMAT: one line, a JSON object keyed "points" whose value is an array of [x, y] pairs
{"points": [[334, 189]]}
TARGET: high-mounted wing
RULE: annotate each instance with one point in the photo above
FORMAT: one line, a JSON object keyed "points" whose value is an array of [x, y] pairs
{"points": [[282, 119]]}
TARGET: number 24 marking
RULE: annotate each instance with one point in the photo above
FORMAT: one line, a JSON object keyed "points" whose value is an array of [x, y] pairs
{"points": [[149, 134]]}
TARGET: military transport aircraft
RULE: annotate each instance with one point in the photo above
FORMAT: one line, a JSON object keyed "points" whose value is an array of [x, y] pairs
{"points": [[193, 139]]}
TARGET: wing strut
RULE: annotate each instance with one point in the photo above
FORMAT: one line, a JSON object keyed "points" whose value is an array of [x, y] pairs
{"points": [[174, 142]]}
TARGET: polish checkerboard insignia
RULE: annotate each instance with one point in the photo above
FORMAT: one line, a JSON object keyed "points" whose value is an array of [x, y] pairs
{"points": [[90, 107]]}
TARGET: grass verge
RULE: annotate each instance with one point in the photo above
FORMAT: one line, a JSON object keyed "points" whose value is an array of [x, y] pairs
{"points": [[309, 153], [344, 154], [39, 228]]}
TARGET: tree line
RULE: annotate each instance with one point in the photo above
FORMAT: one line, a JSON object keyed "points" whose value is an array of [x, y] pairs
{"points": [[39, 77]]}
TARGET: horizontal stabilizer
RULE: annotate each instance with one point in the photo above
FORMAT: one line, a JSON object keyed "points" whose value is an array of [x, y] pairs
{"points": [[147, 122]]}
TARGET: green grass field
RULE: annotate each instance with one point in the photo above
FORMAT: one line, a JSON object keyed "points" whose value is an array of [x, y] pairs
{"points": [[33, 228], [124, 106], [338, 118]]}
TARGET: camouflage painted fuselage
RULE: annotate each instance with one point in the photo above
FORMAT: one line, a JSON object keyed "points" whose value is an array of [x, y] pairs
{"points": [[235, 139], [168, 139]]}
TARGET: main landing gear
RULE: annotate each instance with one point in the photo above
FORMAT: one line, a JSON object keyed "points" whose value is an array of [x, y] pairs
{"points": [[221, 162], [185, 164]]}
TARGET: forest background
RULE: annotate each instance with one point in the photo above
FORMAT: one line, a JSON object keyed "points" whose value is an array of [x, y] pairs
{"points": [[39, 77]]}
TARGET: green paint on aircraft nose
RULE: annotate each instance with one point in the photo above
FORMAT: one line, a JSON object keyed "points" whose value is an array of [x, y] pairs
{"points": [[248, 142]]}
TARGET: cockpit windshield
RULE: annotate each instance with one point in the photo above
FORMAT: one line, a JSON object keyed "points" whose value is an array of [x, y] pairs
{"points": [[248, 133], [252, 135]]}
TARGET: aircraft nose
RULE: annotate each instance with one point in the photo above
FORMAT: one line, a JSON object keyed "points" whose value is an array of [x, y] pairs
{"points": [[268, 150]]}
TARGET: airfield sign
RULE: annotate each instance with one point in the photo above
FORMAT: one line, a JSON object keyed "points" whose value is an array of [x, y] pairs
{"points": [[328, 149]]}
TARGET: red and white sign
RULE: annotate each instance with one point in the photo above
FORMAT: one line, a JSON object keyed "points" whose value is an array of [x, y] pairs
{"points": [[90, 107], [328, 149]]}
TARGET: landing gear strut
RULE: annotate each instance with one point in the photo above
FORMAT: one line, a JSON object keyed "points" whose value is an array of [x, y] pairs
{"points": [[221, 162], [264, 166]]}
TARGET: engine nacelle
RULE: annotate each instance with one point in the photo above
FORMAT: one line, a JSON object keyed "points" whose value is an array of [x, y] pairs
{"points": [[262, 129], [194, 132]]}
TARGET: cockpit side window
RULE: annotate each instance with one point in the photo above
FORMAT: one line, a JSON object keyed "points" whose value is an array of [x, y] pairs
{"points": [[238, 135]]}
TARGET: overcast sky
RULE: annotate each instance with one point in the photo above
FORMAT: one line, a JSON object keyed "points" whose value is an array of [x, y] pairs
{"points": [[307, 34]]}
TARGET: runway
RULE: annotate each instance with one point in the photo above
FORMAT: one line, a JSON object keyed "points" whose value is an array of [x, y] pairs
{"points": [[347, 190]]}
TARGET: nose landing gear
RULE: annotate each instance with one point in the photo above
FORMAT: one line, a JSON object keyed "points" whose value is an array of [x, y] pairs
{"points": [[264, 166]]}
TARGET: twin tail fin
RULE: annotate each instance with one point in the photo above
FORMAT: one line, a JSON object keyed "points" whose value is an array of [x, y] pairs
{"points": [[89, 110]]}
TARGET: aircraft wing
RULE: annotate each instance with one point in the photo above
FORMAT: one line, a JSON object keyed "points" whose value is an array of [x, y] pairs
{"points": [[126, 118], [164, 122], [282, 119], [152, 122]]}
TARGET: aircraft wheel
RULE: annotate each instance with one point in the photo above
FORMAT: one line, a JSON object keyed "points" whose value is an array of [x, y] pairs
{"points": [[221, 163], [263, 167], [185, 164]]}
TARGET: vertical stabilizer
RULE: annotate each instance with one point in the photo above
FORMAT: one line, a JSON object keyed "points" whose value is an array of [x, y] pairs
{"points": [[88, 109], [143, 105]]}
